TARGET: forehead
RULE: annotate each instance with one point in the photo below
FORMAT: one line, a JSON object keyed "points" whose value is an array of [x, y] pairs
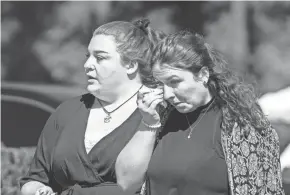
{"points": [[104, 43], [164, 71]]}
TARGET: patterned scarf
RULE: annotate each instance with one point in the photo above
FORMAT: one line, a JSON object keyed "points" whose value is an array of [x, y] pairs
{"points": [[253, 163]]}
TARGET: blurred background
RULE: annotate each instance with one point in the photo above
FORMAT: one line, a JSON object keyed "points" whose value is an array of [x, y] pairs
{"points": [[43, 48]]}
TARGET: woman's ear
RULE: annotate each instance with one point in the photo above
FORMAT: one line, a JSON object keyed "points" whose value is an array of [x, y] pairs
{"points": [[203, 75], [132, 67]]}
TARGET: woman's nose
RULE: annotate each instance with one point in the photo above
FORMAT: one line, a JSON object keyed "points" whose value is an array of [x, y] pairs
{"points": [[168, 93], [88, 65]]}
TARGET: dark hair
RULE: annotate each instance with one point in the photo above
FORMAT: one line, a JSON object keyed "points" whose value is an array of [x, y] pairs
{"points": [[135, 42], [236, 99]]}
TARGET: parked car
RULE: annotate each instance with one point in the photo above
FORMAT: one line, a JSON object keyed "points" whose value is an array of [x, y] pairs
{"points": [[25, 107]]}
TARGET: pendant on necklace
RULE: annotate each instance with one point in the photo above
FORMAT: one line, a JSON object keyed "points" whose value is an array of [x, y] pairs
{"points": [[107, 119]]}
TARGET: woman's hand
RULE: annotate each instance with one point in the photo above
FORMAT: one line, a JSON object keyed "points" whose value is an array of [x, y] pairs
{"points": [[147, 101], [45, 190], [36, 188]]}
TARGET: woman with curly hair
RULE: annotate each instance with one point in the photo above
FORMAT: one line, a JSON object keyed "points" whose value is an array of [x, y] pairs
{"points": [[216, 139]]}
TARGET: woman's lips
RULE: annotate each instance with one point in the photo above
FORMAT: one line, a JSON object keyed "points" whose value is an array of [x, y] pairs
{"points": [[176, 104], [92, 79]]}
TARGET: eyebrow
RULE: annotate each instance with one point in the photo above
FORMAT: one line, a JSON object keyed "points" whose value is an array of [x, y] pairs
{"points": [[96, 52], [100, 51], [171, 77], [161, 73]]}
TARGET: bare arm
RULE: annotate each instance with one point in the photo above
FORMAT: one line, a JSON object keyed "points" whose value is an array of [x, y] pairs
{"points": [[132, 162]]}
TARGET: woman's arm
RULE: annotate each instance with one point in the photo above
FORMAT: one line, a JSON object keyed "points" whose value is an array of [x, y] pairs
{"points": [[37, 176], [132, 162]]}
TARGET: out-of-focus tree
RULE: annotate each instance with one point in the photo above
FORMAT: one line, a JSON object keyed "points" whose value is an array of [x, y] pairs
{"points": [[254, 36], [226, 30], [61, 49], [271, 55], [22, 22], [47, 41]]}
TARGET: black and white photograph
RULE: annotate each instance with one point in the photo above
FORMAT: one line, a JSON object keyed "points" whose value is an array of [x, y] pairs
{"points": [[145, 97]]}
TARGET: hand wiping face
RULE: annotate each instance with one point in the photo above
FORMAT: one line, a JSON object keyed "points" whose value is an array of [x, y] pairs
{"points": [[149, 91], [151, 103]]}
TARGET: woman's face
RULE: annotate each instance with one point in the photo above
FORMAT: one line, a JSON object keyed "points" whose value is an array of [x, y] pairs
{"points": [[103, 67], [182, 88]]}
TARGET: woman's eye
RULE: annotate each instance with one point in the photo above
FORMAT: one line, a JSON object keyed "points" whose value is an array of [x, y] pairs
{"points": [[99, 58], [87, 55], [174, 82]]}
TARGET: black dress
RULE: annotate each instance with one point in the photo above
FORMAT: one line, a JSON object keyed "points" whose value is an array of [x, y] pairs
{"points": [[194, 166], [61, 160]]}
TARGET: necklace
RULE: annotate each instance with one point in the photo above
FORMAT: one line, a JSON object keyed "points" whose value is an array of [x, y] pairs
{"points": [[191, 129], [108, 118]]}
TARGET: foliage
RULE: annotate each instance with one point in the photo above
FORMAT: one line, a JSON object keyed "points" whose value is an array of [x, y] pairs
{"points": [[14, 164], [46, 41], [49, 44], [255, 38]]}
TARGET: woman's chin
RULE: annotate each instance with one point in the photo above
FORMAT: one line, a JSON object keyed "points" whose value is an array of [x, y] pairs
{"points": [[93, 89], [183, 108]]}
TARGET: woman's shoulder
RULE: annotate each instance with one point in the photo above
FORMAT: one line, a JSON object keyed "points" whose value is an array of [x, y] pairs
{"points": [[63, 113], [66, 108], [75, 102]]}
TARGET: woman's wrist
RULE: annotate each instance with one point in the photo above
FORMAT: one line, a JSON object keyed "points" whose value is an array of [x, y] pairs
{"points": [[152, 128]]}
